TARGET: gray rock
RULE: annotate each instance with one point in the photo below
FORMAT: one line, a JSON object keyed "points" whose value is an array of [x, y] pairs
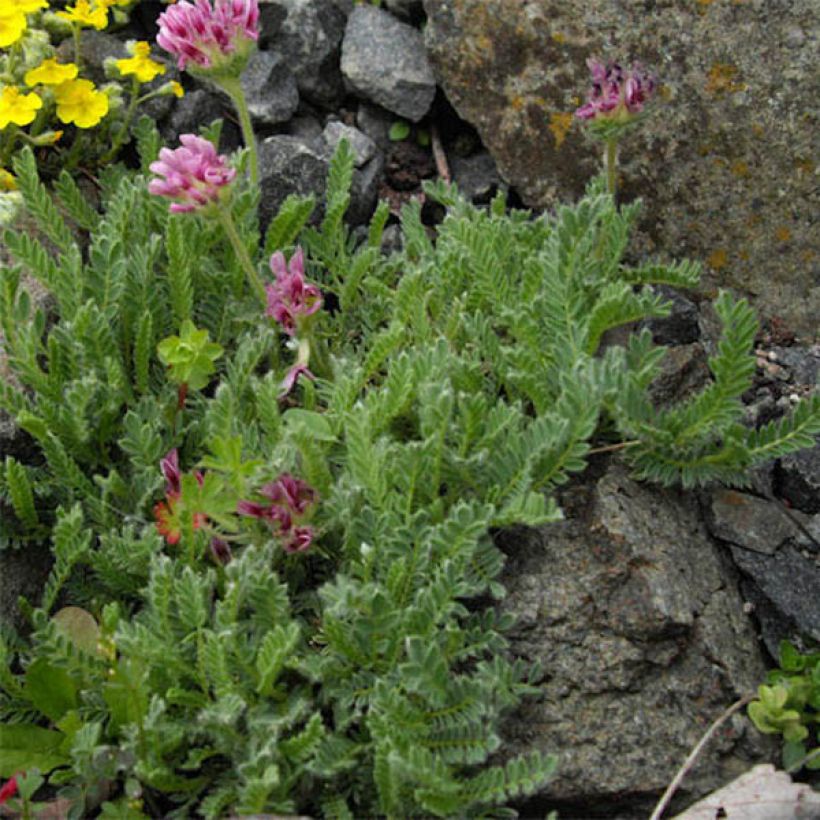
{"points": [[790, 581], [384, 61], [725, 164], [684, 371], [305, 126], [270, 89], [272, 14], [363, 147], [643, 640], [803, 362], [407, 9], [753, 523], [477, 177], [289, 165], [308, 34], [774, 627], [376, 122], [294, 165], [201, 107], [680, 327], [797, 477]]}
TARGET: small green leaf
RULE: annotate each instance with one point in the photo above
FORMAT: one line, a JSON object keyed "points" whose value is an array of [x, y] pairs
{"points": [[50, 689], [399, 130], [24, 746], [790, 659], [315, 424]]}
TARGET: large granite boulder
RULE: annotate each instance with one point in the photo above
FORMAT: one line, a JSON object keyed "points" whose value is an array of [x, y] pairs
{"points": [[726, 165], [634, 614]]}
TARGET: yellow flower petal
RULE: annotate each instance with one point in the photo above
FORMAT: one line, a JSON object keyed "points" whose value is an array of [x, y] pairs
{"points": [[80, 103], [86, 15], [140, 65], [50, 72], [178, 90], [12, 27], [7, 181], [18, 108], [22, 6]]}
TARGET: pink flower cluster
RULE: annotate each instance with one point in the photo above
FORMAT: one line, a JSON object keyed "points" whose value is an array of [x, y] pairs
{"points": [[289, 297], [290, 500], [616, 91], [193, 175], [211, 37]]}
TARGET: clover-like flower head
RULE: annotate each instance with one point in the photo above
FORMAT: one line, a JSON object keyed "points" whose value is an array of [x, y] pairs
{"points": [[215, 38], [194, 176]]}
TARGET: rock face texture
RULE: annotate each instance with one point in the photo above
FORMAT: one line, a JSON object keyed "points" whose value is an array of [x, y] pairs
{"points": [[637, 623], [383, 60], [727, 163]]}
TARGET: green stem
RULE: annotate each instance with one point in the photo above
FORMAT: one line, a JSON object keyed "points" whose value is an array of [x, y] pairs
{"points": [[234, 89], [255, 281], [611, 164], [126, 123]]}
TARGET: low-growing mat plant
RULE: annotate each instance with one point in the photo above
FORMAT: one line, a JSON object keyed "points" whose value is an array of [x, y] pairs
{"points": [[273, 583]]}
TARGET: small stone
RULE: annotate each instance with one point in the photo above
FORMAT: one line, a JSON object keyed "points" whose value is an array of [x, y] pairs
{"points": [[797, 478], [363, 147], [753, 523], [406, 9], [376, 122], [270, 88], [680, 327], [385, 61], [298, 165], [789, 581], [197, 108], [308, 34], [477, 177]]}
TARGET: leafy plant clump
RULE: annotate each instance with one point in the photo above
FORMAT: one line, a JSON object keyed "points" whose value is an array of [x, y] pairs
{"points": [[308, 624], [788, 704]]}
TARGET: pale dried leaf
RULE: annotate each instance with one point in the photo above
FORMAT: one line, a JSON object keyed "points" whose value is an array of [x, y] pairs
{"points": [[763, 793]]}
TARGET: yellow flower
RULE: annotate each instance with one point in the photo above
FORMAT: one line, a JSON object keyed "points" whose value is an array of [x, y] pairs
{"points": [[17, 108], [79, 102], [7, 181], [23, 6], [12, 26], [86, 15], [141, 65], [178, 90], [50, 72]]}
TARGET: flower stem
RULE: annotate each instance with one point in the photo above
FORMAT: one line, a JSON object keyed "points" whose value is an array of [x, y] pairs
{"points": [[255, 281], [611, 165], [122, 133], [233, 87]]}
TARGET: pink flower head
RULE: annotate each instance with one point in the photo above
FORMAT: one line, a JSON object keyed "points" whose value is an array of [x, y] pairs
{"points": [[8, 790], [193, 175], [170, 469], [616, 92], [290, 492], [299, 540], [289, 296], [220, 551], [216, 37], [292, 376], [291, 499]]}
